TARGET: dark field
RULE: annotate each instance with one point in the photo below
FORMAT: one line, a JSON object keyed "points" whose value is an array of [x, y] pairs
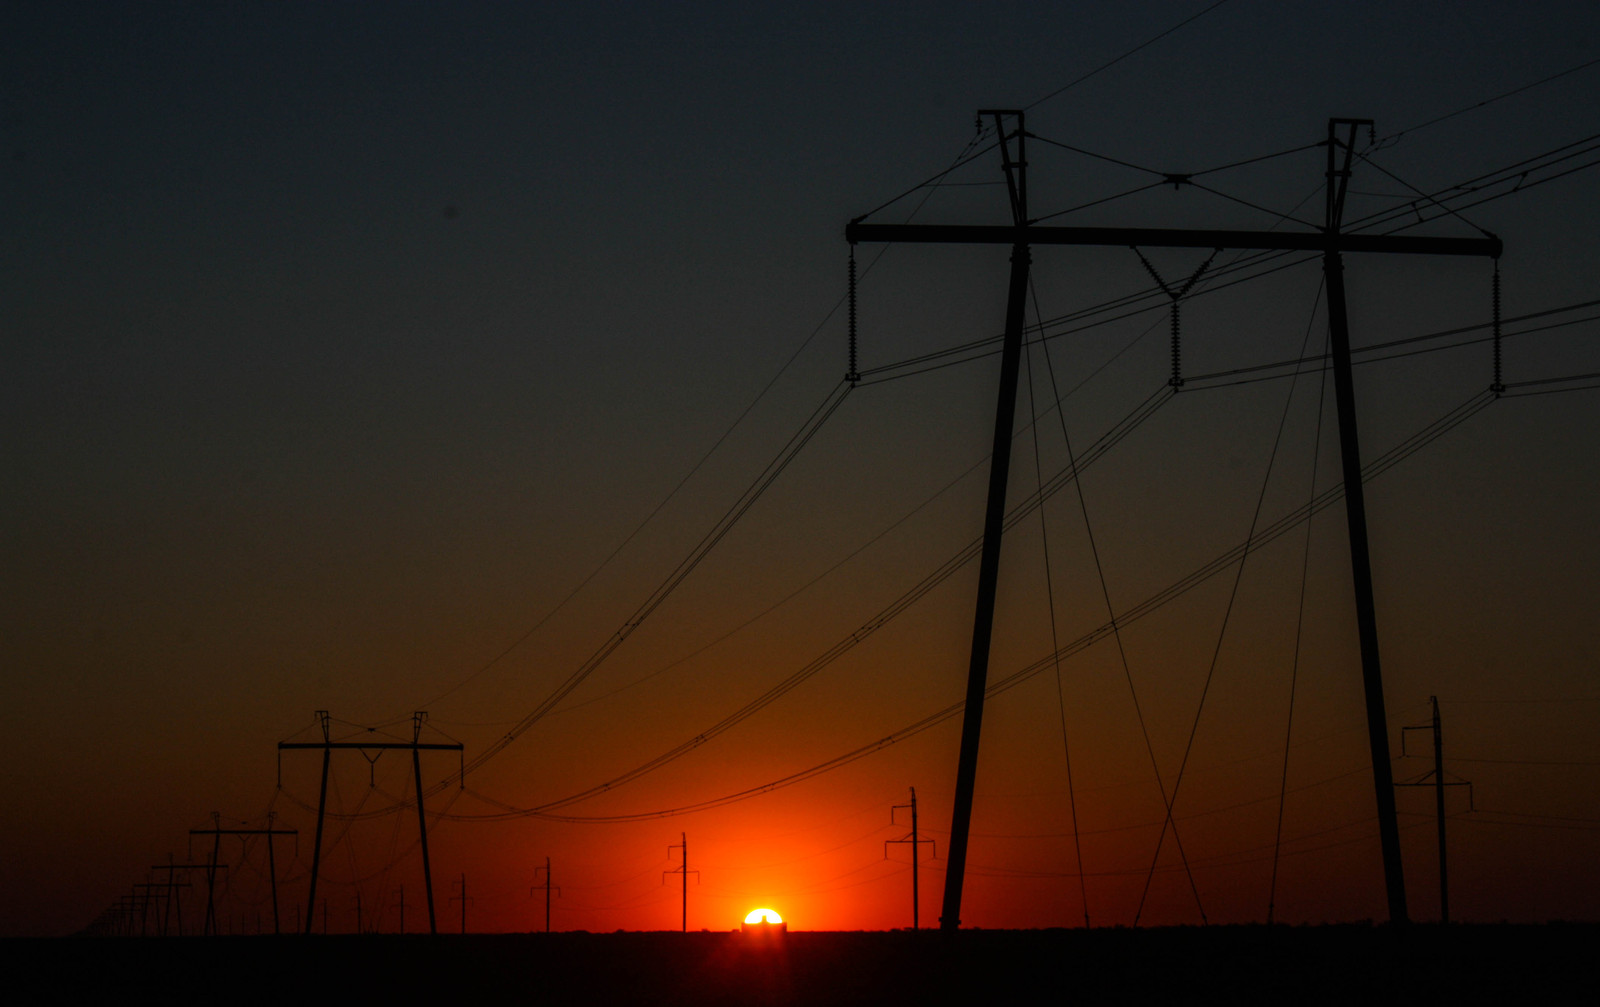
{"points": [[1306, 965]]}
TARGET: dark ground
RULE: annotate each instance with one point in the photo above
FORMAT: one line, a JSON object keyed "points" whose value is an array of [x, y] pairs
{"points": [[1249, 964]]}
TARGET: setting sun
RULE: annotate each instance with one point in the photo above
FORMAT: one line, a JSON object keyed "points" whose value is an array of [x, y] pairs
{"points": [[763, 916]]}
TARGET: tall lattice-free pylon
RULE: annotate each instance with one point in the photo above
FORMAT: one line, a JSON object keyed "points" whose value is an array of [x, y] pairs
{"points": [[416, 746], [1022, 234]]}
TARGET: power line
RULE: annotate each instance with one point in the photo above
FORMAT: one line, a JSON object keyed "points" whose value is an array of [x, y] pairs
{"points": [[797, 442], [1110, 439], [1294, 671], [1227, 613], [1517, 171], [1405, 449], [1108, 65], [967, 154], [1394, 137]]}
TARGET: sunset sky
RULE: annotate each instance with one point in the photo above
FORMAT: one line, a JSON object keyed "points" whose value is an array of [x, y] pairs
{"points": [[376, 358]]}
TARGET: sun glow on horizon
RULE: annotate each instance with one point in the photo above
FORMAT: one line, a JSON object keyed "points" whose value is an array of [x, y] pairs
{"points": [[763, 916]]}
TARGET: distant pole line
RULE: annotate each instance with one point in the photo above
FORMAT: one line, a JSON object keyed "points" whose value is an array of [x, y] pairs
{"points": [[462, 898], [1332, 242]]}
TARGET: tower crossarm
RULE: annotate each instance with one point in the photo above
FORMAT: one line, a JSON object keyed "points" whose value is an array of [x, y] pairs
{"points": [[1161, 237]]}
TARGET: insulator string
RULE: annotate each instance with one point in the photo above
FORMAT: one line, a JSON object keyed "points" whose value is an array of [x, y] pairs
{"points": [[1176, 381], [854, 374], [1498, 387]]}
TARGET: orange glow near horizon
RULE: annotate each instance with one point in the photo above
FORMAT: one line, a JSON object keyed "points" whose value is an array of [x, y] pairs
{"points": [[763, 916]]}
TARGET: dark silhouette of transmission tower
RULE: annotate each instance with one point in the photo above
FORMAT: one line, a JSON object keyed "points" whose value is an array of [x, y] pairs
{"points": [[1022, 234]]}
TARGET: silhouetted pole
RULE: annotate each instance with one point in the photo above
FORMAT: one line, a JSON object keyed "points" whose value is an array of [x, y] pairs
{"points": [[144, 903], [211, 876], [358, 911], [124, 910], [993, 524], [1438, 811], [422, 818], [916, 840], [1355, 509], [546, 886], [683, 869], [463, 900], [1438, 784], [402, 909], [217, 831], [142, 893], [272, 871], [174, 893], [322, 808], [209, 927], [916, 888], [1022, 234]]}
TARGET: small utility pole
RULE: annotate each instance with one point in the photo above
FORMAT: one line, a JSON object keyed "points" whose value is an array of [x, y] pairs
{"points": [[358, 911], [462, 898], [1438, 784], [916, 840], [402, 891], [546, 889], [683, 869]]}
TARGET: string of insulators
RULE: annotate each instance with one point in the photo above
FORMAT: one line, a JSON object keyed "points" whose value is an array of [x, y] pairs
{"points": [[854, 374], [1498, 387], [1176, 381]]}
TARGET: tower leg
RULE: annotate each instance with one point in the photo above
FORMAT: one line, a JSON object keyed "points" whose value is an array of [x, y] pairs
{"points": [[988, 576]]}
